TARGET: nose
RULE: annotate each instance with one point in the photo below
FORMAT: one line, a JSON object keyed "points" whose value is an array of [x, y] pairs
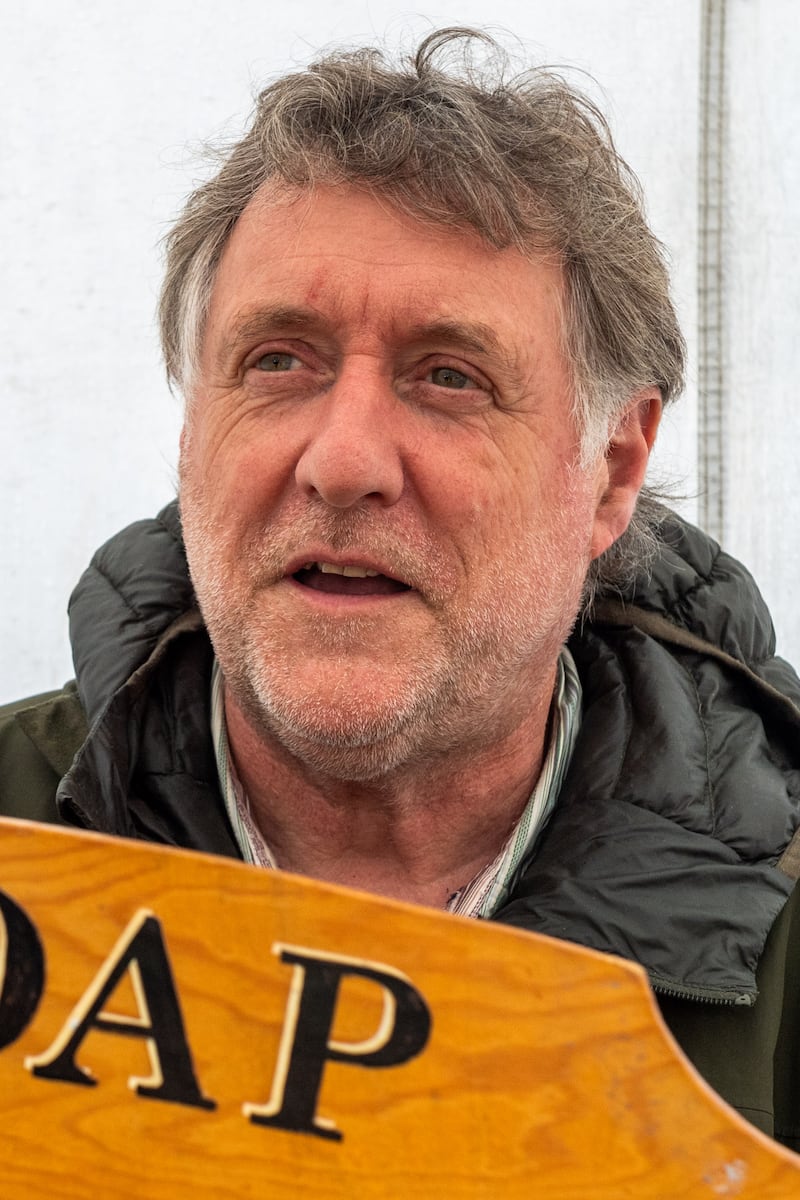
{"points": [[352, 452]]}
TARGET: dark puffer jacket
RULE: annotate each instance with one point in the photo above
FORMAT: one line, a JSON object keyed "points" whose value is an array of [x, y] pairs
{"points": [[673, 843]]}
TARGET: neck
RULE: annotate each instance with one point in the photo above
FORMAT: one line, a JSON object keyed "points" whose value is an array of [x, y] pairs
{"points": [[418, 833]]}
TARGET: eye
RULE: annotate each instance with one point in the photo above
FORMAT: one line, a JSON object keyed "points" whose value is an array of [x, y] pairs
{"points": [[276, 360], [449, 377]]}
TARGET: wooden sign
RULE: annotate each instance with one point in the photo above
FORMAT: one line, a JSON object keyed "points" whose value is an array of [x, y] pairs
{"points": [[180, 1027]]}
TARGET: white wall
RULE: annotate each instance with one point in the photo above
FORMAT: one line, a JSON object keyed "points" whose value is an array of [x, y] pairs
{"points": [[102, 104], [761, 317]]}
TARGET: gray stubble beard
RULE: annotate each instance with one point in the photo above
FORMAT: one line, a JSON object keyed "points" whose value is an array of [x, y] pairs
{"points": [[449, 692]]}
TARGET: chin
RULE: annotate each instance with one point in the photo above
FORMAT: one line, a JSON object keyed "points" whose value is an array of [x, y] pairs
{"points": [[366, 763], [355, 744], [359, 727]]}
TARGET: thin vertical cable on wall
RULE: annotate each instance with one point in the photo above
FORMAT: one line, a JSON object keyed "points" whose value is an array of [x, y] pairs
{"points": [[711, 456]]}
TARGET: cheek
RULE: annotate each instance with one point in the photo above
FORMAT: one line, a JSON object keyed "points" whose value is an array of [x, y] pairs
{"points": [[547, 519], [240, 472], [467, 480], [509, 499]]}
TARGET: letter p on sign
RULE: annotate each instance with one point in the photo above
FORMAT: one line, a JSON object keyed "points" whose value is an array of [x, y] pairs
{"points": [[306, 1043]]}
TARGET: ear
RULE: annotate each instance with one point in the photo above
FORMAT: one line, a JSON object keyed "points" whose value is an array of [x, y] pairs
{"points": [[621, 473]]}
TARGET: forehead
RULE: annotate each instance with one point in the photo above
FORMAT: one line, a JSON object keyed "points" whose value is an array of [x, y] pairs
{"points": [[352, 254]]}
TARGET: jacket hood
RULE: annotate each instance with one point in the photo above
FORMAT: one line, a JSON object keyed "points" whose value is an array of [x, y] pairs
{"points": [[136, 585], [674, 838]]}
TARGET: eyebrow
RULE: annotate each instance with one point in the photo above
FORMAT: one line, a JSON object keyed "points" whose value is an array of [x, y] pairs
{"points": [[472, 335], [255, 322], [476, 336]]}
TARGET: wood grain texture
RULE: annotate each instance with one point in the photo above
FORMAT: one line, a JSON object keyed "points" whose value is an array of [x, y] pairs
{"points": [[547, 1072]]}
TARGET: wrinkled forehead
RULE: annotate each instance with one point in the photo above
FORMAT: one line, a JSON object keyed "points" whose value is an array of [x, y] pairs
{"points": [[327, 242], [420, 211]]}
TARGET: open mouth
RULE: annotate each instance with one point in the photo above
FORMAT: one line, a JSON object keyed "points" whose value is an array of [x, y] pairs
{"points": [[346, 580]]}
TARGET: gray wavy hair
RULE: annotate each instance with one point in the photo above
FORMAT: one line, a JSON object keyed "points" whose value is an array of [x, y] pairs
{"points": [[525, 160]]}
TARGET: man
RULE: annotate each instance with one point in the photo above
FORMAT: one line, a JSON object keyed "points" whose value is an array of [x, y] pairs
{"points": [[432, 641]]}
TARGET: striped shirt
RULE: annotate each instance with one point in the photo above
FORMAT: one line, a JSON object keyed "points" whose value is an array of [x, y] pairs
{"points": [[487, 891]]}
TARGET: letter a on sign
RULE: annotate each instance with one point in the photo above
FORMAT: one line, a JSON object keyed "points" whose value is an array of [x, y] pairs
{"points": [[141, 952], [306, 1044]]}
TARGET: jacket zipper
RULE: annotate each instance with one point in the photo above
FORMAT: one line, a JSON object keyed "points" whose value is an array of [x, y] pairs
{"points": [[729, 999]]}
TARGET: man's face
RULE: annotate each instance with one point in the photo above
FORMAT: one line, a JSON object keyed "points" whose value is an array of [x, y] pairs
{"points": [[385, 523]]}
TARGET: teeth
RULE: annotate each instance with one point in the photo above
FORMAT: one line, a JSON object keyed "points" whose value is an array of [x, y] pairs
{"points": [[351, 572]]}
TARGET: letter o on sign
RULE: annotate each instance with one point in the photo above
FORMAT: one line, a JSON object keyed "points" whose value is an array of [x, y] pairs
{"points": [[21, 970]]}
